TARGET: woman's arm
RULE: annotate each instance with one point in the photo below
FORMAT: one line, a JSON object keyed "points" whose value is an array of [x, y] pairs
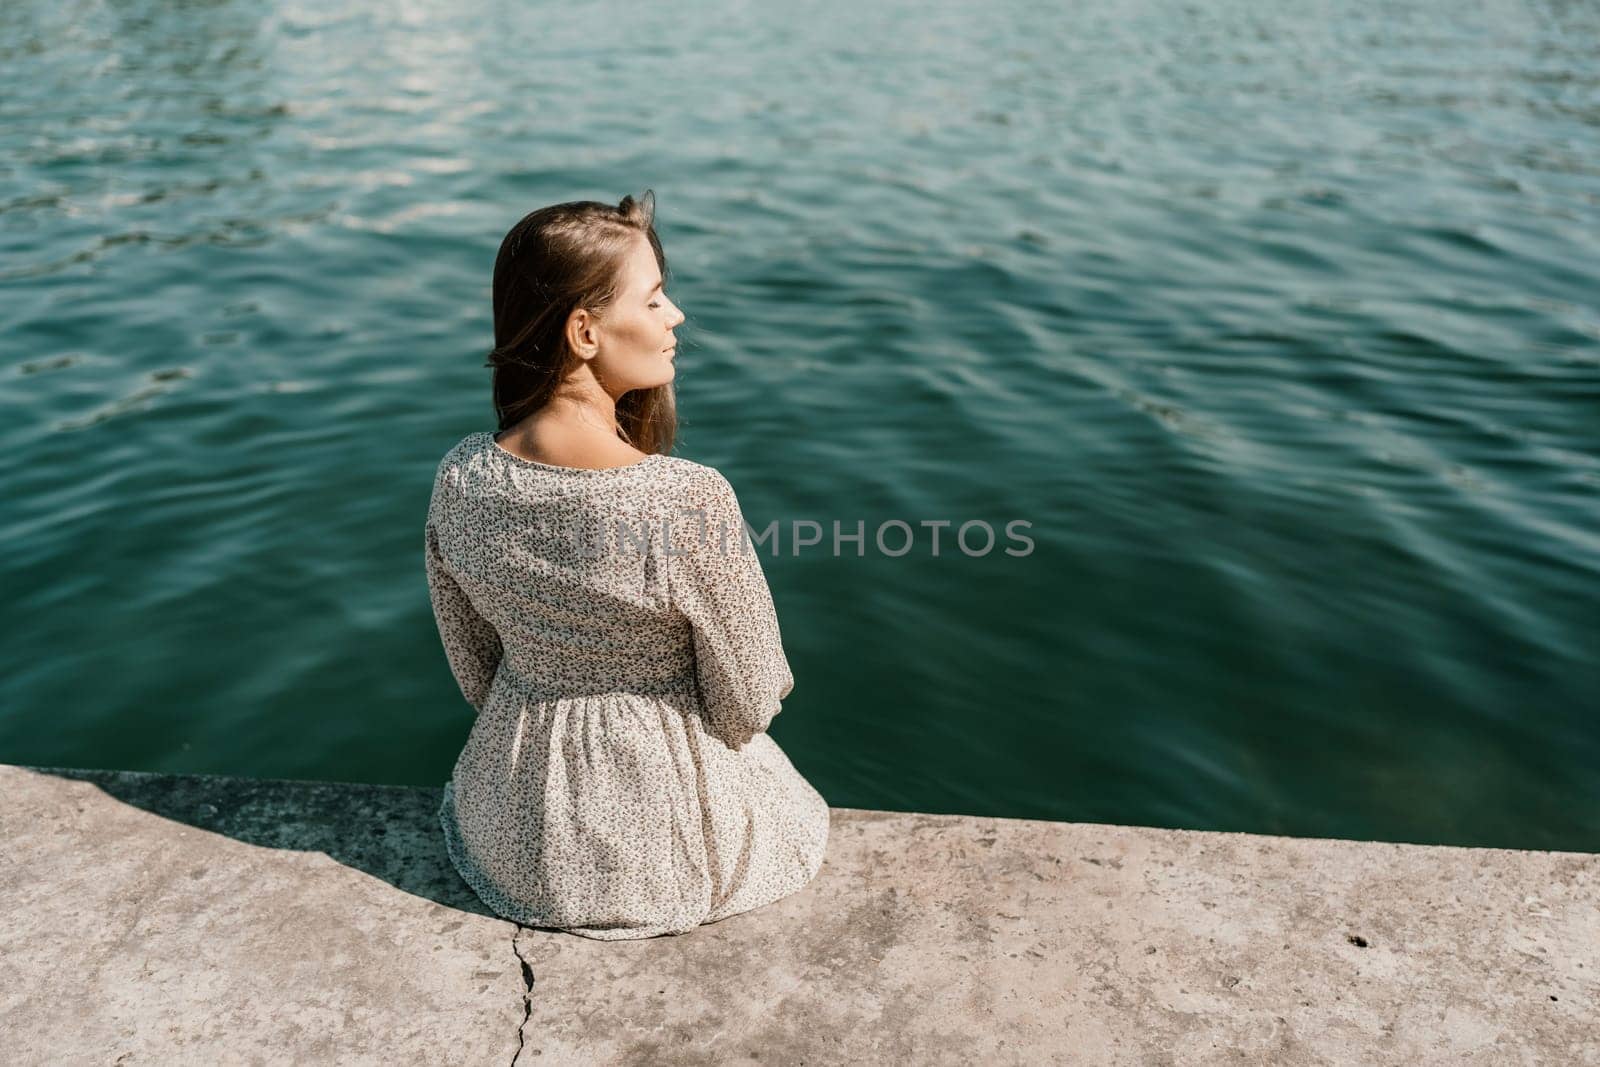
{"points": [[471, 643], [717, 583]]}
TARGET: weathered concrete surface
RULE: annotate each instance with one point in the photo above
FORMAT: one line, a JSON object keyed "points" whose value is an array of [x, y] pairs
{"points": [[211, 920], [157, 919]]}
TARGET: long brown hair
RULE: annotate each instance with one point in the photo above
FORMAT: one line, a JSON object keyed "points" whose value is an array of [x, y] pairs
{"points": [[556, 260]]}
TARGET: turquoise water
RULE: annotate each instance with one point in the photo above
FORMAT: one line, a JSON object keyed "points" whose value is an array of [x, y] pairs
{"points": [[1278, 325]]}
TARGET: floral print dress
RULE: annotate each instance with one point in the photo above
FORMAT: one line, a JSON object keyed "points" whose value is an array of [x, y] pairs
{"points": [[614, 632]]}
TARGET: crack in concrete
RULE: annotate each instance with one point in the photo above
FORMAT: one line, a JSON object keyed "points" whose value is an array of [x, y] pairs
{"points": [[527, 992]]}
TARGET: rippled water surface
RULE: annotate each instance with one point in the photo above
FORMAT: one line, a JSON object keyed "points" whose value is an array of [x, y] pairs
{"points": [[1277, 322]]}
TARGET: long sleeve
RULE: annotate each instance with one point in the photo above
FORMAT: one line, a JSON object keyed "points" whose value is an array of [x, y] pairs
{"points": [[717, 583], [471, 643]]}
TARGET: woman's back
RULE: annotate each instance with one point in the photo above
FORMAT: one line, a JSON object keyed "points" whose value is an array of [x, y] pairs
{"points": [[614, 631]]}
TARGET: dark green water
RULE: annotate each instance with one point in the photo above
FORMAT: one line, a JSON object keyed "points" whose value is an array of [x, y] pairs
{"points": [[1277, 322]]}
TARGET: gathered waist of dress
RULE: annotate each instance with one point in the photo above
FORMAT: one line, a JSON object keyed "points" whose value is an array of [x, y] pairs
{"points": [[556, 683]]}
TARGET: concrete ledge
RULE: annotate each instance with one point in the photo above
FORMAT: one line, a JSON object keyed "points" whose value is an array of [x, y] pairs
{"points": [[194, 919]]}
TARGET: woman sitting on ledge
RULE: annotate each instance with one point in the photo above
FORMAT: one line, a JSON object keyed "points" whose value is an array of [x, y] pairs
{"points": [[605, 614]]}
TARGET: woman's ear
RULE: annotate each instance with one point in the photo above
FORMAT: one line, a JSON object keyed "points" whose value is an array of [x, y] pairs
{"points": [[583, 334]]}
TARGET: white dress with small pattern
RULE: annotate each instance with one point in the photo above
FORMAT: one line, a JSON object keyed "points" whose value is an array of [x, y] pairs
{"points": [[615, 634]]}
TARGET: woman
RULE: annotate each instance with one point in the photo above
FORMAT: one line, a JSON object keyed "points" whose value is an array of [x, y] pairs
{"points": [[605, 613]]}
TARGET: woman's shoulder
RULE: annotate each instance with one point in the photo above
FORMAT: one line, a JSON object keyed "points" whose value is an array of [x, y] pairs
{"points": [[449, 466], [695, 480], [447, 476], [459, 451]]}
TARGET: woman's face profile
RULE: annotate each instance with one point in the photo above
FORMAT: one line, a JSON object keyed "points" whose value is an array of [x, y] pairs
{"points": [[635, 343]]}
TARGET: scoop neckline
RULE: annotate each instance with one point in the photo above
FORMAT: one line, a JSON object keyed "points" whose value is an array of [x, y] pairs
{"points": [[488, 436]]}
